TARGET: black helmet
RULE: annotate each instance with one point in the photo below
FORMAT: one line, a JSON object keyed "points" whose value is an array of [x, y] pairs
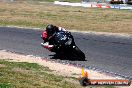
{"points": [[50, 29]]}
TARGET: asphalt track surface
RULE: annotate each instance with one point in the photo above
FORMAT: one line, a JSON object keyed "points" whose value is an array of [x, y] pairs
{"points": [[106, 52]]}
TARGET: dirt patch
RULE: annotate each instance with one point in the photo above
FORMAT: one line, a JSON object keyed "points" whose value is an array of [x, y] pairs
{"points": [[81, 19], [1, 65], [58, 68]]}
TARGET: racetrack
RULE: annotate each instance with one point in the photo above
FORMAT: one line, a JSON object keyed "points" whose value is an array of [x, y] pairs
{"points": [[106, 52]]}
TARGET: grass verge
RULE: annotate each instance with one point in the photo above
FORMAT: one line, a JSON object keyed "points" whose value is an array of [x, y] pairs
{"points": [[29, 75], [32, 75], [72, 18]]}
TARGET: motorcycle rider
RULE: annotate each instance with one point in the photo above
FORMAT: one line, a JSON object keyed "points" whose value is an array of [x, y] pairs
{"points": [[48, 36]]}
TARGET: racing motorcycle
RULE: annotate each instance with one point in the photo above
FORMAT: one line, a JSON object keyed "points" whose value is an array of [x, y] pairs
{"points": [[64, 43]]}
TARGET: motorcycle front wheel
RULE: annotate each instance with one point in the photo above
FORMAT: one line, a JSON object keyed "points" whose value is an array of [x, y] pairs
{"points": [[79, 53]]}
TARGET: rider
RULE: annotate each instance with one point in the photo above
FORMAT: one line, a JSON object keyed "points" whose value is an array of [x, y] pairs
{"points": [[48, 35]]}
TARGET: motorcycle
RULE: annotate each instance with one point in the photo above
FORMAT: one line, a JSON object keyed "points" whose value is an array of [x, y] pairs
{"points": [[64, 43]]}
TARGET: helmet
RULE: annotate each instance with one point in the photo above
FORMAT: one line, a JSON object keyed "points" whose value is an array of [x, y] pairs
{"points": [[50, 29]]}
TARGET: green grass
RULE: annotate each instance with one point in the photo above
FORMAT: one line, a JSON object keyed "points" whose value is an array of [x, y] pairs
{"points": [[6, 85], [24, 65], [32, 75], [29, 75]]}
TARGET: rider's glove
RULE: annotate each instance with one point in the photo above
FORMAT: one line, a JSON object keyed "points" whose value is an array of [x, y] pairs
{"points": [[68, 32]]}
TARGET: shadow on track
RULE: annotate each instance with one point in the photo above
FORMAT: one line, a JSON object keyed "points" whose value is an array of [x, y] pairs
{"points": [[69, 57]]}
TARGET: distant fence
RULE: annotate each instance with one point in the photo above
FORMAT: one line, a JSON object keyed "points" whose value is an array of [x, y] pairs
{"points": [[98, 5], [98, 1]]}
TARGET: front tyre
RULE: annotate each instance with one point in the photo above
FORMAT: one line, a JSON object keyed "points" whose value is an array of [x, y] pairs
{"points": [[79, 53]]}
